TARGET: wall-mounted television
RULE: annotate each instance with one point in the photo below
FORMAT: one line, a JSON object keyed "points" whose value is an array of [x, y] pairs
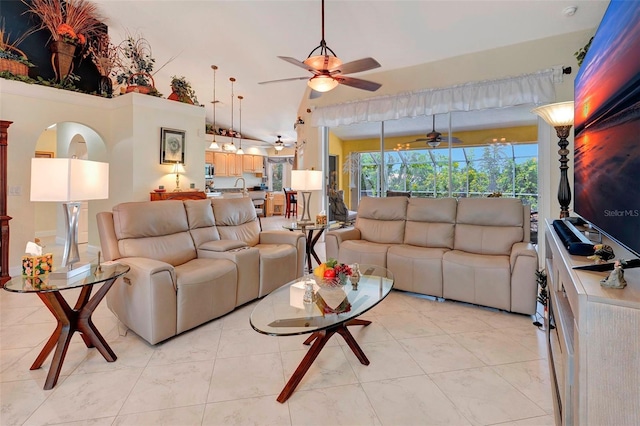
{"points": [[607, 127]]}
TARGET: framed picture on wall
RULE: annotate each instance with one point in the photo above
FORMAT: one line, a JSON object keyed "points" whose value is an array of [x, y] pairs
{"points": [[45, 154], [172, 146]]}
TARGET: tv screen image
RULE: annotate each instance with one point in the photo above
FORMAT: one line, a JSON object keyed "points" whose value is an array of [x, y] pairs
{"points": [[607, 127]]}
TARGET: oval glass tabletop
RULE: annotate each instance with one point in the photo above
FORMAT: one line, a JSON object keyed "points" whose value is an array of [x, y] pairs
{"points": [[284, 313], [45, 283]]}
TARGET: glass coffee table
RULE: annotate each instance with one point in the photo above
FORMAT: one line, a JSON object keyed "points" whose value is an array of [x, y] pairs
{"points": [[330, 309]]}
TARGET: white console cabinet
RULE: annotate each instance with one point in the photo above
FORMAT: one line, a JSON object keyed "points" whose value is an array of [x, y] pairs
{"points": [[594, 350]]}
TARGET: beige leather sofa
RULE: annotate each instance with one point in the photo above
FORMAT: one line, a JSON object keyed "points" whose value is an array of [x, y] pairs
{"points": [[192, 261], [473, 250]]}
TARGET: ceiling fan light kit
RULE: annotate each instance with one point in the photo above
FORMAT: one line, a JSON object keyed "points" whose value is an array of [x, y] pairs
{"points": [[279, 145], [322, 83]]}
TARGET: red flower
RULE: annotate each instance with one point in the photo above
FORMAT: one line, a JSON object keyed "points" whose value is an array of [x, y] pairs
{"points": [[66, 30], [81, 39]]}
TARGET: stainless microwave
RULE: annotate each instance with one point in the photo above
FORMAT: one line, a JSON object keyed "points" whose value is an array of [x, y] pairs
{"points": [[208, 170]]}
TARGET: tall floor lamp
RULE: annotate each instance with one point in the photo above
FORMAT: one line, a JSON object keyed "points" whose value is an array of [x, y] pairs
{"points": [[560, 117], [70, 181], [306, 181]]}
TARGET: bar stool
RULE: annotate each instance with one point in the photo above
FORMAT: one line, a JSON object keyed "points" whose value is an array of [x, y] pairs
{"points": [[291, 203]]}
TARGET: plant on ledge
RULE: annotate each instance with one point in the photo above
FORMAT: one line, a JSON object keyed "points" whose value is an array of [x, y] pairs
{"points": [[70, 23], [135, 64], [12, 59], [182, 91]]}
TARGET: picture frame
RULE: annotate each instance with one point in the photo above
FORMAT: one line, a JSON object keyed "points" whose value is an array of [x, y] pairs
{"points": [[172, 145], [45, 154]]}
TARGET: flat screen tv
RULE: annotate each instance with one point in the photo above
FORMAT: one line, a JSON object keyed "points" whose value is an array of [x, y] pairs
{"points": [[607, 127]]}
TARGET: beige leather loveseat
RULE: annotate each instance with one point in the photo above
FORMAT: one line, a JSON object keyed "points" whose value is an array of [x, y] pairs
{"points": [[473, 250], [192, 261]]}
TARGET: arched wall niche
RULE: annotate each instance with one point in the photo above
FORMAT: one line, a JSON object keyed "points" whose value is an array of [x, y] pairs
{"points": [[67, 140]]}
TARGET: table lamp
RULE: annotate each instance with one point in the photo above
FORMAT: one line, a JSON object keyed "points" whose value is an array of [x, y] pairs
{"points": [[70, 181], [177, 169], [560, 117], [306, 181]]}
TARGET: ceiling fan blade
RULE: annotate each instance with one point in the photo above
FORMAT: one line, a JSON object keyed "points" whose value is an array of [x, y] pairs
{"points": [[364, 64], [359, 83], [296, 62], [314, 94], [284, 79]]}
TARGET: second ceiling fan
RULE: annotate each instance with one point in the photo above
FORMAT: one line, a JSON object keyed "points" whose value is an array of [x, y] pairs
{"points": [[329, 71], [434, 138]]}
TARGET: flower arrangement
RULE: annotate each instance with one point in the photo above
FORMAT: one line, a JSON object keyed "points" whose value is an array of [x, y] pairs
{"points": [[72, 22], [103, 53], [333, 272]]}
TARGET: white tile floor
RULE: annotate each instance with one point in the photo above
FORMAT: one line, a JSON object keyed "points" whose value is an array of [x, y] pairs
{"points": [[442, 363]]}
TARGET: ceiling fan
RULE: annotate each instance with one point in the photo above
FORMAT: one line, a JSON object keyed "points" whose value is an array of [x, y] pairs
{"points": [[329, 71], [279, 145], [434, 138]]}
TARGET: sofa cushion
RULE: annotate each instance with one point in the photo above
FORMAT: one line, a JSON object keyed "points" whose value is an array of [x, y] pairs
{"points": [[201, 221], [236, 219], [365, 252], [489, 225], [417, 269], [430, 222], [222, 245], [382, 220], [480, 279], [143, 230]]}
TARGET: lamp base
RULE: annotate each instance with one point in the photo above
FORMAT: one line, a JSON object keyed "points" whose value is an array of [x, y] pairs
{"points": [[70, 271]]}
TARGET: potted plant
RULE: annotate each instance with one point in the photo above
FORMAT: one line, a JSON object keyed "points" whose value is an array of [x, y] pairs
{"points": [[70, 25], [181, 91], [104, 56], [12, 59], [135, 64]]}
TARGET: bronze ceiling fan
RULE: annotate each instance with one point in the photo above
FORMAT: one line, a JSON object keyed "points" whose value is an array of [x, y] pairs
{"points": [[329, 71], [434, 138]]}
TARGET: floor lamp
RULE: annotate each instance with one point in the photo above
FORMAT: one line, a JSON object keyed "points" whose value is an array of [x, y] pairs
{"points": [[560, 117], [70, 181], [306, 181]]}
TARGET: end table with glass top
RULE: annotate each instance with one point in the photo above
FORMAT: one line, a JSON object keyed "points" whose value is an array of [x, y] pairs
{"points": [[325, 309], [309, 229], [70, 319]]}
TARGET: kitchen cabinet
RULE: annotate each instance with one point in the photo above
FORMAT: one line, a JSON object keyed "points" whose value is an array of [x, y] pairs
{"points": [[208, 157], [234, 165], [252, 164], [220, 164]]}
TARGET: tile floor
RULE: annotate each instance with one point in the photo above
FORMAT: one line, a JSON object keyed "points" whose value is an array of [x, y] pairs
{"points": [[432, 362]]}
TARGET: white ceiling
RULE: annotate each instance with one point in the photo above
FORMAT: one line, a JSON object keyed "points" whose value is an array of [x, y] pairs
{"points": [[243, 38]]}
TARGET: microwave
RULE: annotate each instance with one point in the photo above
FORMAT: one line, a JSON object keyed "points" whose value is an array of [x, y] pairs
{"points": [[208, 170]]}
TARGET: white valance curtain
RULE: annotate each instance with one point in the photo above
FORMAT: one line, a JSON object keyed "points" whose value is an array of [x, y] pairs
{"points": [[534, 88]]}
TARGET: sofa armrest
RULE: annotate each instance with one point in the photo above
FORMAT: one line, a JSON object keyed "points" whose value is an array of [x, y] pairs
{"points": [[281, 237], [524, 287], [294, 238], [334, 238], [522, 249], [145, 298], [222, 245]]}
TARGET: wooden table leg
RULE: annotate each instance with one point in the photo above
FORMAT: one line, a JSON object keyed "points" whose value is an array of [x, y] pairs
{"points": [[312, 245], [70, 321], [319, 339]]}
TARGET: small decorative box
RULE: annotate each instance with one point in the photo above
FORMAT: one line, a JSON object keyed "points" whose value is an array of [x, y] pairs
{"points": [[321, 219], [33, 266]]}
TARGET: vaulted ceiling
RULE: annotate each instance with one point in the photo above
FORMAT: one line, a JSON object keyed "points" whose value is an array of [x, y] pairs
{"points": [[244, 37]]}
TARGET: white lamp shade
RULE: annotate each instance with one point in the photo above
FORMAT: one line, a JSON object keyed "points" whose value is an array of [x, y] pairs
{"points": [[560, 114], [178, 168], [68, 179], [306, 180]]}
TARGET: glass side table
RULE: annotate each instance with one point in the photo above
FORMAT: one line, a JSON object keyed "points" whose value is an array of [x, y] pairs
{"points": [[312, 232], [70, 319]]}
